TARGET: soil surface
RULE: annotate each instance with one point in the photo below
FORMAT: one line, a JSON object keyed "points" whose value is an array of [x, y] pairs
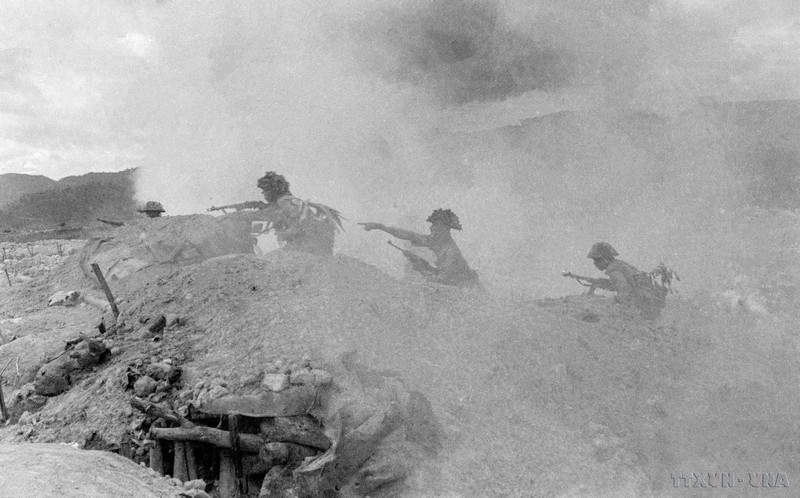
{"points": [[33, 470], [557, 397]]}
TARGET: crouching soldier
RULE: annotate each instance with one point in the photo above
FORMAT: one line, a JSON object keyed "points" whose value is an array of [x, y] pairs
{"points": [[450, 268], [632, 287]]}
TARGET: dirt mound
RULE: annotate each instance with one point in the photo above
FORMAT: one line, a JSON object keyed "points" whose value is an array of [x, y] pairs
{"points": [[570, 397], [167, 240], [63, 470], [460, 348]]}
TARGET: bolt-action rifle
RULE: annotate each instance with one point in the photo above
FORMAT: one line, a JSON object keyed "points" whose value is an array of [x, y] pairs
{"points": [[240, 206], [417, 263], [112, 223], [591, 283]]}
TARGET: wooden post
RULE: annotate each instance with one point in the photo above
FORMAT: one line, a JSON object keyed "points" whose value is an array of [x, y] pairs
{"points": [[3, 410], [7, 277], [179, 467], [4, 254], [233, 436], [227, 476], [106, 289], [191, 462], [157, 457]]}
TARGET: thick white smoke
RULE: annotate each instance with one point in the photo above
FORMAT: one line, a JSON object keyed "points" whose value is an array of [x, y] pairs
{"points": [[387, 110]]}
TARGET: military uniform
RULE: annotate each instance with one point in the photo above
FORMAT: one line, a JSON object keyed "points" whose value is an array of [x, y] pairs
{"points": [[299, 225], [299, 228], [632, 287], [622, 276], [451, 267]]}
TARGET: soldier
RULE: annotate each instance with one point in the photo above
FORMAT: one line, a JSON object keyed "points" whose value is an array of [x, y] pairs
{"points": [[152, 209], [299, 225], [632, 287], [451, 267]]}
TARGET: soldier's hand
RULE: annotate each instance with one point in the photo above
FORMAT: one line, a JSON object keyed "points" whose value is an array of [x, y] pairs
{"points": [[371, 226]]}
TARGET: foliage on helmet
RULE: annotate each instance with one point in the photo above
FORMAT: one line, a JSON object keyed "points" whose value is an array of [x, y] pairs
{"points": [[152, 206], [602, 250], [662, 276], [274, 183], [445, 216]]}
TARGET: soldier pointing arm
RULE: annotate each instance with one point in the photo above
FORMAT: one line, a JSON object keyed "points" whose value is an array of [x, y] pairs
{"points": [[451, 268]]}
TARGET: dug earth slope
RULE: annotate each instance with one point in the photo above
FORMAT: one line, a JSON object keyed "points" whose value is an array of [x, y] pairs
{"points": [[561, 397]]}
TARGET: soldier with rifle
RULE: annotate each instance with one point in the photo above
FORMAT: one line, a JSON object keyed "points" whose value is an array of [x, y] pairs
{"points": [[298, 225], [451, 267], [632, 287]]}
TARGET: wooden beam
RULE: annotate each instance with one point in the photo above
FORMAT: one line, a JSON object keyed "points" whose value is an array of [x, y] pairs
{"points": [[247, 442]]}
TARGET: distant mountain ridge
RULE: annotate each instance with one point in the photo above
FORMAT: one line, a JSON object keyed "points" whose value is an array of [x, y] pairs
{"points": [[15, 185], [37, 202]]}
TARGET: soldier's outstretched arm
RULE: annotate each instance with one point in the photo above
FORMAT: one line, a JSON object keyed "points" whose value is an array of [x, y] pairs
{"points": [[417, 239]]}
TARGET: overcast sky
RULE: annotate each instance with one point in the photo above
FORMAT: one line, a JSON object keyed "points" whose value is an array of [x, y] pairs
{"points": [[90, 85]]}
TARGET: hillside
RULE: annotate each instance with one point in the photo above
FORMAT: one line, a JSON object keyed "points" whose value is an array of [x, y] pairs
{"points": [[73, 201], [15, 185], [556, 397]]}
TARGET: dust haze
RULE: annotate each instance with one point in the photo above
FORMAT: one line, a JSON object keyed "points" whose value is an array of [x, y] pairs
{"points": [[387, 110], [665, 127]]}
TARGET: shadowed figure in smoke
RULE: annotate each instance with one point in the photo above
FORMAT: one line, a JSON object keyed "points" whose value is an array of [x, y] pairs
{"points": [[299, 225], [451, 267], [632, 287]]}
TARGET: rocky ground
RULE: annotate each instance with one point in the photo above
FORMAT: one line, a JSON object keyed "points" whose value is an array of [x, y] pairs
{"points": [[557, 397]]}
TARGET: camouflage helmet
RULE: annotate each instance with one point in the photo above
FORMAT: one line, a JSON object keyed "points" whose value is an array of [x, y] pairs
{"points": [[445, 216], [602, 250], [152, 206], [273, 182]]}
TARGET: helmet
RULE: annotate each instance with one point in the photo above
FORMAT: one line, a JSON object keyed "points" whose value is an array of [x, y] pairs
{"points": [[153, 206], [602, 250], [273, 182], [445, 216]]}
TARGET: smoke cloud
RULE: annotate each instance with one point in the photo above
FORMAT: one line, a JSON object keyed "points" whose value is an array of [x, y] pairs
{"points": [[545, 126]]}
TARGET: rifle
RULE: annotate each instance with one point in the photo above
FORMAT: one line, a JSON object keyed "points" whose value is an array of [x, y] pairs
{"points": [[113, 223], [417, 263], [240, 206], [591, 283]]}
